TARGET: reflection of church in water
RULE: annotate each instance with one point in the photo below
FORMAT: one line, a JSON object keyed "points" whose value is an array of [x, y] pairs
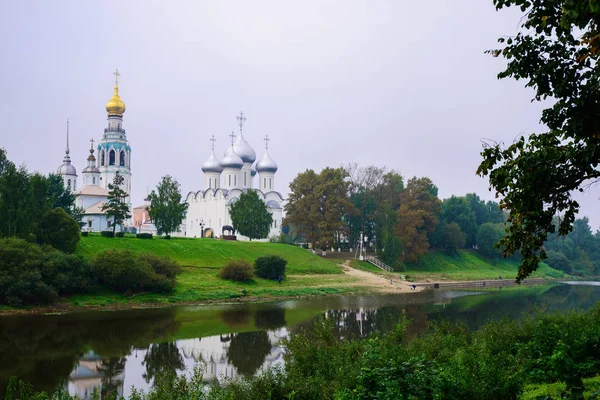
{"points": [[96, 373]]}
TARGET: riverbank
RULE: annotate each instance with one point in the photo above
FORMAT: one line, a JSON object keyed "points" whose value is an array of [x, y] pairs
{"points": [[307, 274]]}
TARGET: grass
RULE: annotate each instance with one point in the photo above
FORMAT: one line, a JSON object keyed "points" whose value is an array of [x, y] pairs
{"points": [[469, 265], [212, 253], [307, 274]]}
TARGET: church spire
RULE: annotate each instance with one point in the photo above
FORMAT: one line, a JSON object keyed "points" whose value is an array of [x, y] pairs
{"points": [[66, 170]]}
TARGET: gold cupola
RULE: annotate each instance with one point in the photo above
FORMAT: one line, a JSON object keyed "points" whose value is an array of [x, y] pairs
{"points": [[115, 105]]}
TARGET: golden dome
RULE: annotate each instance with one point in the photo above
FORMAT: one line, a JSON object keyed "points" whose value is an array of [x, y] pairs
{"points": [[115, 105]]}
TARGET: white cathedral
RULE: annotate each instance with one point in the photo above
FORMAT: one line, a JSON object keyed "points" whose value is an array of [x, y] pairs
{"points": [[225, 180], [208, 210]]}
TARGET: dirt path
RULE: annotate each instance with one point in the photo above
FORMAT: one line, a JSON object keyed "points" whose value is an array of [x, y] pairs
{"points": [[378, 283]]}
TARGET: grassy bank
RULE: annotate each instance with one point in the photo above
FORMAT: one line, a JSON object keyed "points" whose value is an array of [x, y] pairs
{"points": [[202, 259]]}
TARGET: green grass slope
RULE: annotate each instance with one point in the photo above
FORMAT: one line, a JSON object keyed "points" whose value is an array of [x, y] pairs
{"points": [[470, 265], [212, 253]]}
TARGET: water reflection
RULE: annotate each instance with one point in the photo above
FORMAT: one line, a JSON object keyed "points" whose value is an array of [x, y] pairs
{"points": [[116, 350]]}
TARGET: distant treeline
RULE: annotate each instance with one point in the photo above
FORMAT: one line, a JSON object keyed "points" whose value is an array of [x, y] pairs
{"points": [[401, 222]]}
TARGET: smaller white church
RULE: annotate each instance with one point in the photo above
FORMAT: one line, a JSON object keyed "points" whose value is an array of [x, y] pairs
{"points": [[224, 181]]}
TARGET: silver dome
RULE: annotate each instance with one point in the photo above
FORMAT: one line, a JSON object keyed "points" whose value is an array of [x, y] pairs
{"points": [[231, 159], [212, 164], [243, 149], [89, 169], [66, 169], [266, 164], [253, 170]]}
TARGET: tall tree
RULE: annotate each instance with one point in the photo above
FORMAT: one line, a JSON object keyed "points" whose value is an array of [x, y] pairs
{"points": [[318, 204], [417, 217], [556, 53], [250, 216], [166, 208], [116, 207], [458, 210]]}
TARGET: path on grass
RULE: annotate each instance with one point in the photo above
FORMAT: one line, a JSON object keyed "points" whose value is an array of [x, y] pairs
{"points": [[377, 282]]}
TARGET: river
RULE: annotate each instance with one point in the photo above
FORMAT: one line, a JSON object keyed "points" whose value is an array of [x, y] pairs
{"points": [[115, 350]]}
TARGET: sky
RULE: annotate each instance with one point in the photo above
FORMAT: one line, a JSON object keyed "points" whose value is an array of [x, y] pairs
{"points": [[405, 85]]}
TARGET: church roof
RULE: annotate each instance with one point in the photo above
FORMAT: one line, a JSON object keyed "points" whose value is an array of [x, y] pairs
{"points": [[92, 190], [95, 208]]}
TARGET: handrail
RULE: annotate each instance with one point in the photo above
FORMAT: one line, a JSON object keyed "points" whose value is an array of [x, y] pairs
{"points": [[378, 263]]}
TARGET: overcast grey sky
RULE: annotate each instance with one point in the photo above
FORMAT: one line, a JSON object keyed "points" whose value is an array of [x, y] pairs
{"points": [[396, 83]]}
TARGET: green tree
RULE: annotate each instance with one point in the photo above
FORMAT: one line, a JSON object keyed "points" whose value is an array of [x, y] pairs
{"points": [[250, 216], [458, 210], [319, 204], [59, 230], [166, 208], [417, 217], [116, 207], [488, 235], [452, 238], [556, 53]]}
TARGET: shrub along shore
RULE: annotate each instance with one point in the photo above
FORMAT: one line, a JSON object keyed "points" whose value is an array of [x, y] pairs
{"points": [[128, 272]]}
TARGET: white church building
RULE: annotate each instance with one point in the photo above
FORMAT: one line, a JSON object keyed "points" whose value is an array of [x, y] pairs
{"points": [[225, 180], [114, 154]]}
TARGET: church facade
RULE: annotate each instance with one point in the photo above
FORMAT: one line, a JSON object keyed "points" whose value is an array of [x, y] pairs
{"points": [[113, 155], [225, 180]]}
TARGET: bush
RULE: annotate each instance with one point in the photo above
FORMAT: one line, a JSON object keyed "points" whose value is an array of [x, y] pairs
{"points": [[161, 265], [558, 261], [120, 234], [107, 234], [270, 267], [143, 235], [84, 234], [30, 274], [238, 271], [59, 230], [125, 272]]}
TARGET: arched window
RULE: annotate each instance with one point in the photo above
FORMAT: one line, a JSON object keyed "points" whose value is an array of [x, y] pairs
{"points": [[245, 184], [93, 180], [111, 157], [235, 180], [264, 183], [69, 184], [122, 158], [229, 180], [270, 183], [102, 158]]}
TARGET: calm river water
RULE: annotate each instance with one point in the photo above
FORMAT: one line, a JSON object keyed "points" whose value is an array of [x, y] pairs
{"points": [[120, 349]]}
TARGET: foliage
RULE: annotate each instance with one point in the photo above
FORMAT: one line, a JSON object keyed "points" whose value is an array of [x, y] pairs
{"points": [[59, 230], [166, 208], [143, 235], [107, 234], [556, 53], [458, 210], [237, 271], [559, 261], [488, 235], [32, 275], [250, 216], [119, 234], [84, 233], [417, 217], [125, 272], [116, 208], [318, 204], [270, 267], [453, 237]]}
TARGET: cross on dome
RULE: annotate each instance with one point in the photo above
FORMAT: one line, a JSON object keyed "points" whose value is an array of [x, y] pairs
{"points": [[92, 142], [116, 74], [267, 140], [241, 119], [213, 140], [232, 136], [67, 149]]}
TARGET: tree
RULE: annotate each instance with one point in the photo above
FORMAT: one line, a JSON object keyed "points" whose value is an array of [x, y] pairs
{"points": [[556, 53], [59, 230], [318, 205], [250, 216], [162, 358], [452, 237], [417, 217], [488, 235], [116, 208], [458, 210], [166, 208]]}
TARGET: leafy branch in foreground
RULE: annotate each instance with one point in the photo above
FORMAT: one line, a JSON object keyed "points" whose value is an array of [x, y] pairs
{"points": [[556, 53]]}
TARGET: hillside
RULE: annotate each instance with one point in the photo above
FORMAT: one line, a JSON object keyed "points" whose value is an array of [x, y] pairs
{"points": [[212, 253]]}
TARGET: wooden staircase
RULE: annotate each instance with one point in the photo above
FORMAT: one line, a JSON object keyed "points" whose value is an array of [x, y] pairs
{"points": [[378, 263]]}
